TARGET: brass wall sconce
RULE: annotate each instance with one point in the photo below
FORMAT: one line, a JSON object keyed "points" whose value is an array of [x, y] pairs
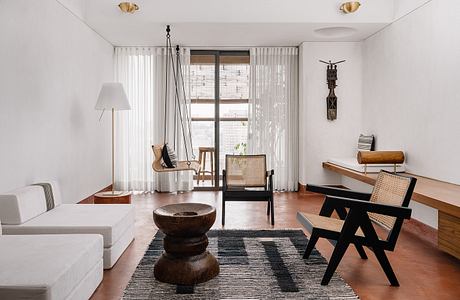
{"points": [[350, 7], [128, 7]]}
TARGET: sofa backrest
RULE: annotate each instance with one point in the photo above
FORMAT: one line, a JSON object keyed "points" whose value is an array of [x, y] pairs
{"points": [[21, 205], [56, 191]]}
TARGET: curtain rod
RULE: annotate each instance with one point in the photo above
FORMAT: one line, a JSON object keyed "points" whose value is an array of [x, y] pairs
{"points": [[237, 47], [243, 48]]}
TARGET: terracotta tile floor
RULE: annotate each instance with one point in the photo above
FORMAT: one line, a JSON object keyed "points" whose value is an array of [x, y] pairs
{"points": [[423, 271]]}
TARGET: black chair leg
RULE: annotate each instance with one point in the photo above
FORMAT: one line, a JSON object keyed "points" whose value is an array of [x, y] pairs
{"points": [[336, 257], [268, 207], [223, 211], [385, 263], [361, 251], [311, 244], [272, 210]]}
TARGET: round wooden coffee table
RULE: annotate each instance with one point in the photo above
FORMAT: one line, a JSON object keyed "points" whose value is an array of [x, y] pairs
{"points": [[185, 260]]}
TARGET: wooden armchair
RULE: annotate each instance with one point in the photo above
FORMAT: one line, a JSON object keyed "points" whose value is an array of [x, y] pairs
{"points": [[245, 179], [387, 206]]}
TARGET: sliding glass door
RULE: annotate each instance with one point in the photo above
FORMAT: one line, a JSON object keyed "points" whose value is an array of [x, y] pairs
{"points": [[219, 92], [203, 106]]}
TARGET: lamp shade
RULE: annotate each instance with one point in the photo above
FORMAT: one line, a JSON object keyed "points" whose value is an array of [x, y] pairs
{"points": [[112, 95]]}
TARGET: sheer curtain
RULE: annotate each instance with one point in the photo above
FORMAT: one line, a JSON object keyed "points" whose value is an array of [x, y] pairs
{"points": [[142, 72], [273, 112]]}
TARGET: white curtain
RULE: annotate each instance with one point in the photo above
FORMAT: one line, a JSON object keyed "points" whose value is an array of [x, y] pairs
{"points": [[142, 72], [273, 112]]}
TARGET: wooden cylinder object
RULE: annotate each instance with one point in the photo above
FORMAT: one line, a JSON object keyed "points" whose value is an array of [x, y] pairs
{"points": [[185, 260], [380, 157]]}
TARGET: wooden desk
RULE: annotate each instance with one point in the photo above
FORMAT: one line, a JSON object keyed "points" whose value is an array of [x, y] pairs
{"points": [[443, 196], [104, 198]]}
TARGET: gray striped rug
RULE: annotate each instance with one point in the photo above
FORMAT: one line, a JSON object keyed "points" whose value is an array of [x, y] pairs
{"points": [[254, 264]]}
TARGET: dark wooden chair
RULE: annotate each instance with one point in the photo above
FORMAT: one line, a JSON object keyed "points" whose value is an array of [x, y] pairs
{"points": [[387, 206], [245, 178]]}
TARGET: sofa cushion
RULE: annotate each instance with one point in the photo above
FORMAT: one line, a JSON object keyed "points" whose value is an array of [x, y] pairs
{"points": [[46, 266], [21, 205], [112, 254], [168, 157], [109, 220], [366, 142], [56, 191]]}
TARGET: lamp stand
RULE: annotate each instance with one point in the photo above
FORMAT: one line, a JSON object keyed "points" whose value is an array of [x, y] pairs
{"points": [[113, 192]]}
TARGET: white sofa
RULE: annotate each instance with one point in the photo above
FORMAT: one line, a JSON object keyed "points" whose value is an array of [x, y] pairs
{"points": [[24, 212], [50, 267]]}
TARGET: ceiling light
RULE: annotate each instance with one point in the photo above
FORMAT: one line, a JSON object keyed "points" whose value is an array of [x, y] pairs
{"points": [[128, 7], [335, 32], [350, 7]]}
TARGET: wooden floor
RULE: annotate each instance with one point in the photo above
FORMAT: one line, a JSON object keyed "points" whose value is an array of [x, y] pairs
{"points": [[423, 271]]}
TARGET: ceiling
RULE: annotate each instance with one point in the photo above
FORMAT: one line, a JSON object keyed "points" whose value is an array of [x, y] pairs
{"points": [[235, 23]]}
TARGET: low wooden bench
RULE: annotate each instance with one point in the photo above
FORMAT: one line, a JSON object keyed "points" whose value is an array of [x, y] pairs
{"points": [[443, 196]]}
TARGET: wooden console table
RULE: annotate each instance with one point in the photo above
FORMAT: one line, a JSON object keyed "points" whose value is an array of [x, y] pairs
{"points": [[443, 196], [102, 198]]}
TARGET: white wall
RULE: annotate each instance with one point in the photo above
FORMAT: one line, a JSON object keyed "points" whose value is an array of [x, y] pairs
{"points": [[411, 89], [321, 139], [410, 97], [52, 67]]}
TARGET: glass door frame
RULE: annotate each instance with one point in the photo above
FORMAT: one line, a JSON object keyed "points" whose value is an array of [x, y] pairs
{"points": [[217, 54]]}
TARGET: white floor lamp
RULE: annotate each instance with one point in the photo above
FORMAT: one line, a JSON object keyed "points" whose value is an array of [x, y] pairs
{"points": [[112, 97]]}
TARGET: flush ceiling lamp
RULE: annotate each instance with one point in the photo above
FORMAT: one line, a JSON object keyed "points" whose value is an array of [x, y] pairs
{"points": [[350, 7], [128, 7]]}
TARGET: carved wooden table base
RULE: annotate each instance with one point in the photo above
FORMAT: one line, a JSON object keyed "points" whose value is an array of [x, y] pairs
{"points": [[185, 260]]}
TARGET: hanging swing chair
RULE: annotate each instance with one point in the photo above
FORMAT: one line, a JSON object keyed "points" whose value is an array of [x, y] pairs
{"points": [[190, 164], [182, 165]]}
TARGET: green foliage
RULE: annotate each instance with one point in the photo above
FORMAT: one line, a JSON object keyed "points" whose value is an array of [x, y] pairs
{"points": [[241, 148]]}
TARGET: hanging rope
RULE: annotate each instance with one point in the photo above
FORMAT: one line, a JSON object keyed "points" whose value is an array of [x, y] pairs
{"points": [[187, 117], [179, 110], [168, 41], [175, 103], [177, 76]]}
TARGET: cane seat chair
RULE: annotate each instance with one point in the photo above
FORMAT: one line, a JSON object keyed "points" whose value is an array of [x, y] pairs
{"points": [[387, 206], [182, 165], [245, 178]]}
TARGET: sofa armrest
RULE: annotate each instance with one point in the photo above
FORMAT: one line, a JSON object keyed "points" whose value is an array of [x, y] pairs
{"points": [[332, 191]]}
